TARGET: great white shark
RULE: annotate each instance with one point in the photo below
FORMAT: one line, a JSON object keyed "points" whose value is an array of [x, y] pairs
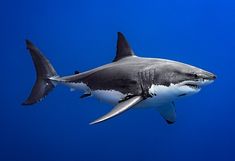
{"points": [[128, 82]]}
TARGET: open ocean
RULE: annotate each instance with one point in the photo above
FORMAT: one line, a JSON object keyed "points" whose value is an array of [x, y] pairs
{"points": [[81, 35]]}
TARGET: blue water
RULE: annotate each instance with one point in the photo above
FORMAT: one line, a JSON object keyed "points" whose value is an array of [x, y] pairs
{"points": [[80, 35]]}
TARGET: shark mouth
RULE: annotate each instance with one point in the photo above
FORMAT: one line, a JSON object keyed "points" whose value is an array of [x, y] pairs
{"points": [[193, 86], [196, 84]]}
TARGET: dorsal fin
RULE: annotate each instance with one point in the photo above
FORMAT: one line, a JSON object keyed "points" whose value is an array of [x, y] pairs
{"points": [[123, 48]]}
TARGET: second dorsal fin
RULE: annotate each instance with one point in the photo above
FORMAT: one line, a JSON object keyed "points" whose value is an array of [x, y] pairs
{"points": [[123, 48]]}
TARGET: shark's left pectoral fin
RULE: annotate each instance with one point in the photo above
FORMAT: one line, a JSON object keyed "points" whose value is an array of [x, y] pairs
{"points": [[168, 112], [119, 108]]}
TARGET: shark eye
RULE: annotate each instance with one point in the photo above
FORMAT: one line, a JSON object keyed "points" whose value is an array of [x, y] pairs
{"points": [[194, 75]]}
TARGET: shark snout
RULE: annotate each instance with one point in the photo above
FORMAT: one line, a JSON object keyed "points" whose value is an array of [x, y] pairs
{"points": [[213, 77], [204, 78], [207, 75]]}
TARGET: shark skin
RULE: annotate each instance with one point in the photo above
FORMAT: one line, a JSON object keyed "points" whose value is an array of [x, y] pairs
{"points": [[127, 82]]}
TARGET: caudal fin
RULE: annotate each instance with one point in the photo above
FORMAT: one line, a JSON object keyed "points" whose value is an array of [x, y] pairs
{"points": [[44, 71]]}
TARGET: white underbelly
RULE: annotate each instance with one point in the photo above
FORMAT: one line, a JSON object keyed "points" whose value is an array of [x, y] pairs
{"points": [[154, 101], [160, 94], [113, 97], [109, 96]]}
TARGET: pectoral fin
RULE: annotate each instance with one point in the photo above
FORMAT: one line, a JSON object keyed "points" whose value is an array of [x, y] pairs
{"points": [[168, 112], [119, 108]]}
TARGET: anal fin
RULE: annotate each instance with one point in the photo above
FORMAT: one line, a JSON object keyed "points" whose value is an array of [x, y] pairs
{"points": [[119, 108]]}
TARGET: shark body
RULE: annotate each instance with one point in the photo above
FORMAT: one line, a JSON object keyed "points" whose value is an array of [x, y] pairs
{"points": [[129, 81]]}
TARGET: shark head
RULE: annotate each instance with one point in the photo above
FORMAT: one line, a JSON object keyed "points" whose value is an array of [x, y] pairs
{"points": [[189, 79], [182, 79], [198, 78]]}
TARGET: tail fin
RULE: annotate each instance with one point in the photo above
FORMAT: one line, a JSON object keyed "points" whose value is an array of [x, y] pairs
{"points": [[44, 71]]}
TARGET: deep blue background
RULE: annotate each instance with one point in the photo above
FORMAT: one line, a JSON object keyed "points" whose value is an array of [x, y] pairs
{"points": [[82, 35]]}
